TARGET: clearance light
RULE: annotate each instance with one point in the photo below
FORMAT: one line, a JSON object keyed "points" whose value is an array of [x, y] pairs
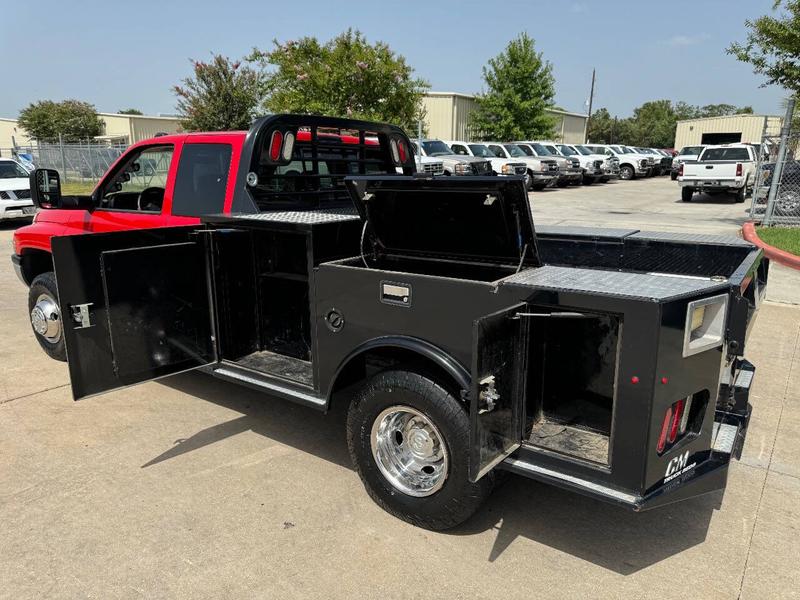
{"points": [[275, 146]]}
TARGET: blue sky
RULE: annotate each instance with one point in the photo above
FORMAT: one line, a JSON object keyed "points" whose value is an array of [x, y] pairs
{"points": [[122, 54]]}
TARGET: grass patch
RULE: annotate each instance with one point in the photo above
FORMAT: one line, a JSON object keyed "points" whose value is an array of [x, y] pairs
{"points": [[785, 238], [77, 188]]}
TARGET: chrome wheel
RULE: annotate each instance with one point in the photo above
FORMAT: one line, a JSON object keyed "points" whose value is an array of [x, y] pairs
{"points": [[626, 173], [46, 318], [788, 203], [409, 451]]}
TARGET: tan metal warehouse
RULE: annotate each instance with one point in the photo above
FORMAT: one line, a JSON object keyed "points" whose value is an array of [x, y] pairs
{"points": [[447, 118], [10, 135], [726, 130]]}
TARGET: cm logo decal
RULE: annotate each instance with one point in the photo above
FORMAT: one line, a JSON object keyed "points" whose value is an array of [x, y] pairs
{"points": [[677, 466]]}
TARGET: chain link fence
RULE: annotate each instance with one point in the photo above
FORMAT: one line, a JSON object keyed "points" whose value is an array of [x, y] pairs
{"points": [[74, 162], [776, 194]]}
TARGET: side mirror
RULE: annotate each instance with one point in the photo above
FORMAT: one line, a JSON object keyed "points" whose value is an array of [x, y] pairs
{"points": [[46, 192], [45, 188]]}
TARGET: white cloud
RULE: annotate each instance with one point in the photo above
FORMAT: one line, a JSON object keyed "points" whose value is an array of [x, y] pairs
{"points": [[687, 40]]}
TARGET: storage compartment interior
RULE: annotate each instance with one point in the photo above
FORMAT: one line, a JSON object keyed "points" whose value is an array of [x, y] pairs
{"points": [[570, 402], [433, 266], [262, 289]]}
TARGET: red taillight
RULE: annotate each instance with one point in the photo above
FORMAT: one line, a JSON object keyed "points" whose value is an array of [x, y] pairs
{"points": [[738, 169], [677, 413], [401, 149], [662, 438], [275, 146], [680, 170]]}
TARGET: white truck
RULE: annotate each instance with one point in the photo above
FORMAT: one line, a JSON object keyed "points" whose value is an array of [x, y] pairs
{"points": [[569, 168], [687, 154], [543, 171], [631, 164], [453, 164], [728, 168], [15, 191], [592, 164], [500, 166]]}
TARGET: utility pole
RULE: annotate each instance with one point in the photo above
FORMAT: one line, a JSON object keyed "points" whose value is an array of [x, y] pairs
{"points": [[589, 118]]}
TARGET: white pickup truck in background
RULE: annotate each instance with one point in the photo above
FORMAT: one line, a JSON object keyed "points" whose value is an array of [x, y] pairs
{"points": [[729, 168]]}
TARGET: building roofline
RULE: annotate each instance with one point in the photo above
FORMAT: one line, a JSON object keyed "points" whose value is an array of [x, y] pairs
{"points": [[473, 96], [106, 114], [730, 117]]}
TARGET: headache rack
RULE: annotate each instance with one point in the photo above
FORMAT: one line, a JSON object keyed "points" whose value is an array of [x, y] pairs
{"points": [[325, 151]]}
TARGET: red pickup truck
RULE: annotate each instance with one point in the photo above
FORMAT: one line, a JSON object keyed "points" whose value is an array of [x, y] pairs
{"points": [[161, 182]]}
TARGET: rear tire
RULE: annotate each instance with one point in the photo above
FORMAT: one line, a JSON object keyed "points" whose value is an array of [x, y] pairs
{"points": [[439, 498], [673, 176], [740, 194], [686, 194], [45, 315]]}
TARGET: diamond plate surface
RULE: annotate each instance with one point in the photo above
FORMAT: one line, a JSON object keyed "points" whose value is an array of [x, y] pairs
{"points": [[603, 232], [723, 436], [691, 238], [640, 286], [311, 217]]}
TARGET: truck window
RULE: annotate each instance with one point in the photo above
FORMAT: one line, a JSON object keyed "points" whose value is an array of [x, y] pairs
{"points": [[459, 149], [726, 154], [140, 183], [497, 150], [202, 179]]}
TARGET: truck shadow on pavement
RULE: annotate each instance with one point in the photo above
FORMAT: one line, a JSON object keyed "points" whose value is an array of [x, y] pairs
{"points": [[603, 534]]}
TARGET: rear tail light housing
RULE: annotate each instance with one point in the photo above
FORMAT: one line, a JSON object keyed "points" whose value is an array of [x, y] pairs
{"points": [[281, 146], [681, 419], [680, 170], [739, 169]]}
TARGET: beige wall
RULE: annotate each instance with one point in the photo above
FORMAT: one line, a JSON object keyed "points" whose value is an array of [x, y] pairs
{"points": [[135, 128], [447, 118], [10, 132], [690, 133]]}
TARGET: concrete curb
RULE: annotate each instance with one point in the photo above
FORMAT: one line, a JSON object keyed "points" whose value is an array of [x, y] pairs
{"points": [[780, 256]]}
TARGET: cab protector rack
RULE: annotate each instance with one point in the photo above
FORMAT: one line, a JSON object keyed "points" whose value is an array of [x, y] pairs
{"points": [[585, 358]]}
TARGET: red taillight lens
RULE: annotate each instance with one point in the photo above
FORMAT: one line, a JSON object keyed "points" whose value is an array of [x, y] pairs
{"points": [[738, 169], [677, 413], [662, 438], [401, 149], [680, 170], [275, 145]]}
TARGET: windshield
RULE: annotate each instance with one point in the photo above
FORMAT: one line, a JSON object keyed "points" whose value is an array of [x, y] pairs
{"points": [[725, 154], [526, 149], [691, 150], [541, 150], [514, 151], [11, 170], [552, 150], [566, 150], [481, 151], [583, 150], [436, 148]]}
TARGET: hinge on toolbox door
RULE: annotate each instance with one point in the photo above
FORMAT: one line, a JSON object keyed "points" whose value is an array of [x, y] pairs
{"points": [[487, 395], [81, 316]]}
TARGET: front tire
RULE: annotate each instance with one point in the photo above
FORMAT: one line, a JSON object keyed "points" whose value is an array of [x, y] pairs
{"points": [[686, 194], [408, 438], [627, 173], [45, 315]]}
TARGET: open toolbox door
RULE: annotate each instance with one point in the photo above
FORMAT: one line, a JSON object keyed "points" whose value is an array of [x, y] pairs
{"points": [[136, 305], [499, 362]]}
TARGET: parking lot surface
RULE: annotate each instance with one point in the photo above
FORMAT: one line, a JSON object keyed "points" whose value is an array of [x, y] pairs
{"points": [[193, 488]]}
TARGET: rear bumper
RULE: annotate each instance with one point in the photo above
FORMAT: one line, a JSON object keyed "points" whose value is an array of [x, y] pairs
{"points": [[698, 477]]}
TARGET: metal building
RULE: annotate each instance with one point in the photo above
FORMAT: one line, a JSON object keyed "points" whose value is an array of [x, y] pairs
{"points": [[11, 135], [447, 118], [726, 130]]}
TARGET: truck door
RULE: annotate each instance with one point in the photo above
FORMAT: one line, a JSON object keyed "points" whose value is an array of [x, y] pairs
{"points": [[499, 351], [136, 305]]}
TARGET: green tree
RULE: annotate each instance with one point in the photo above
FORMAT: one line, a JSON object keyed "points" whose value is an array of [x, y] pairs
{"points": [[130, 111], [520, 87], [773, 46], [74, 120], [653, 125], [722, 110], [607, 129], [344, 77], [222, 95]]}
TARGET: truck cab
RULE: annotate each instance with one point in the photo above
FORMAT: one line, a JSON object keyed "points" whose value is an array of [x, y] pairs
{"points": [[462, 338]]}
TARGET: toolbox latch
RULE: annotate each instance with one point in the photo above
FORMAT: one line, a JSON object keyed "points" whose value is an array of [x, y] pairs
{"points": [[488, 395]]}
